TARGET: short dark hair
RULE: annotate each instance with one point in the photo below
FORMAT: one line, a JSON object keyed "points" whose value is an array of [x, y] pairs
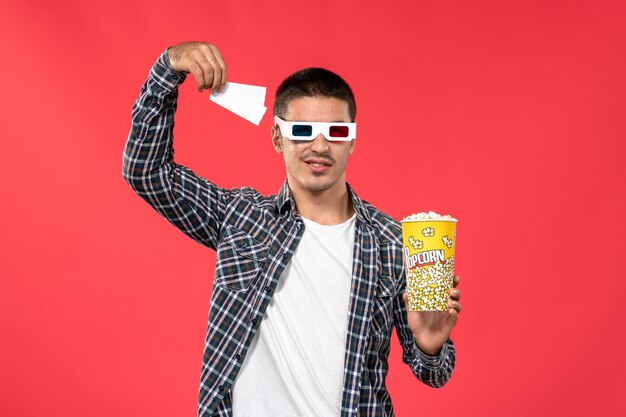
{"points": [[313, 82]]}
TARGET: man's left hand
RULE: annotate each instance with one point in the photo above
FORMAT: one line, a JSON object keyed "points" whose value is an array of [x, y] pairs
{"points": [[431, 329]]}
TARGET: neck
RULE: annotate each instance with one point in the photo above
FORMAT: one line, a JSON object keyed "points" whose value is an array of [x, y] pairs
{"points": [[327, 207]]}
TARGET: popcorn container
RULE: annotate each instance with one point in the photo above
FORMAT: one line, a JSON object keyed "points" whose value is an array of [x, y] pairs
{"points": [[428, 249]]}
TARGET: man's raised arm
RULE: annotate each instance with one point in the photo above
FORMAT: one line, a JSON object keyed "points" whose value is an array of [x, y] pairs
{"points": [[192, 204]]}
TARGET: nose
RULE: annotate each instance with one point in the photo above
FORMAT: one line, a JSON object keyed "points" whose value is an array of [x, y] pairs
{"points": [[320, 144]]}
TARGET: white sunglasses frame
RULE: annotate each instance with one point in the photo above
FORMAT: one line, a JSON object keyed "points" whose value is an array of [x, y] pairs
{"points": [[317, 128]]}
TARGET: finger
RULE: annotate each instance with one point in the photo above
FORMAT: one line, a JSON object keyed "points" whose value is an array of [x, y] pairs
{"points": [[210, 62], [454, 305], [217, 75], [453, 317], [455, 294], [405, 297], [198, 75], [207, 69], [456, 280], [222, 64], [209, 66]]}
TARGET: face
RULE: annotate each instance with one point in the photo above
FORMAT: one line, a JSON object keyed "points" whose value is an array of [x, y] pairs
{"points": [[318, 165]]}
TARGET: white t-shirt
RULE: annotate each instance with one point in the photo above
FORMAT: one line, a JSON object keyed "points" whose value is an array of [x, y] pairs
{"points": [[294, 366]]}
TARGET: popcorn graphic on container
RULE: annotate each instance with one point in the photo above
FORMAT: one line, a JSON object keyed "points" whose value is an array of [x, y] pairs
{"points": [[429, 266], [417, 244], [428, 232]]}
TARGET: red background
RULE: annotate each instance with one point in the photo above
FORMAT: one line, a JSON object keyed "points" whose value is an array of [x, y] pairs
{"points": [[508, 115]]}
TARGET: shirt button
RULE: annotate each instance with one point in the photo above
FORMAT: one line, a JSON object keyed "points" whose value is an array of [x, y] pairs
{"points": [[285, 255], [253, 322], [238, 356]]}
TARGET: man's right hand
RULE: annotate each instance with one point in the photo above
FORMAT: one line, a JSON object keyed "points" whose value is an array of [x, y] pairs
{"points": [[201, 59]]}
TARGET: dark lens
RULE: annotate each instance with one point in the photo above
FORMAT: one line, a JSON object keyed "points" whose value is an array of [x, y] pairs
{"points": [[338, 131], [302, 130]]}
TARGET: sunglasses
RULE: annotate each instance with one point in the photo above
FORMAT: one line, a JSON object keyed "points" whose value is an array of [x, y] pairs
{"points": [[304, 131]]}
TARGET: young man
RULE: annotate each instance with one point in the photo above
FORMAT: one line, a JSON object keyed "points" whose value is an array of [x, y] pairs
{"points": [[309, 282]]}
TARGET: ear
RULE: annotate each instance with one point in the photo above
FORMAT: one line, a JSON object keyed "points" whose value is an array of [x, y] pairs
{"points": [[352, 146], [276, 139]]}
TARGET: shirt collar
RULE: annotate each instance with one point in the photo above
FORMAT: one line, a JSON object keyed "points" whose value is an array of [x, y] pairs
{"points": [[359, 206], [284, 202]]}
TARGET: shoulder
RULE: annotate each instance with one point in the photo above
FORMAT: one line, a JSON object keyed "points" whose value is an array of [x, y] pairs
{"points": [[247, 212], [386, 228], [249, 195]]}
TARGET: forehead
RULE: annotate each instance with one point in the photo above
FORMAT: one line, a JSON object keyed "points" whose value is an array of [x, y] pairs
{"points": [[317, 109]]}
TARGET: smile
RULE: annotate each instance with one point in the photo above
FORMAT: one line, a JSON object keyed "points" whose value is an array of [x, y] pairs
{"points": [[317, 162], [318, 165]]}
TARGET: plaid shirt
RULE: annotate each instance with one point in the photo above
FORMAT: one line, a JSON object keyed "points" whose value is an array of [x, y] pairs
{"points": [[255, 237]]}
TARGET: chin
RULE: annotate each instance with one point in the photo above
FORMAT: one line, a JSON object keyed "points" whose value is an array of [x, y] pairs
{"points": [[318, 186]]}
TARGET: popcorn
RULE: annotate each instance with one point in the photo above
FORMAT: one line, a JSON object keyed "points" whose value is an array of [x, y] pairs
{"points": [[447, 241], [428, 232], [431, 215]]}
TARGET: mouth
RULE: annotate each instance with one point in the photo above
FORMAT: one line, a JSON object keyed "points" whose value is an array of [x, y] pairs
{"points": [[318, 162], [318, 165]]}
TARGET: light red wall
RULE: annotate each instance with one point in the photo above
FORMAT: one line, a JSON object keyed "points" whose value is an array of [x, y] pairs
{"points": [[508, 115]]}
